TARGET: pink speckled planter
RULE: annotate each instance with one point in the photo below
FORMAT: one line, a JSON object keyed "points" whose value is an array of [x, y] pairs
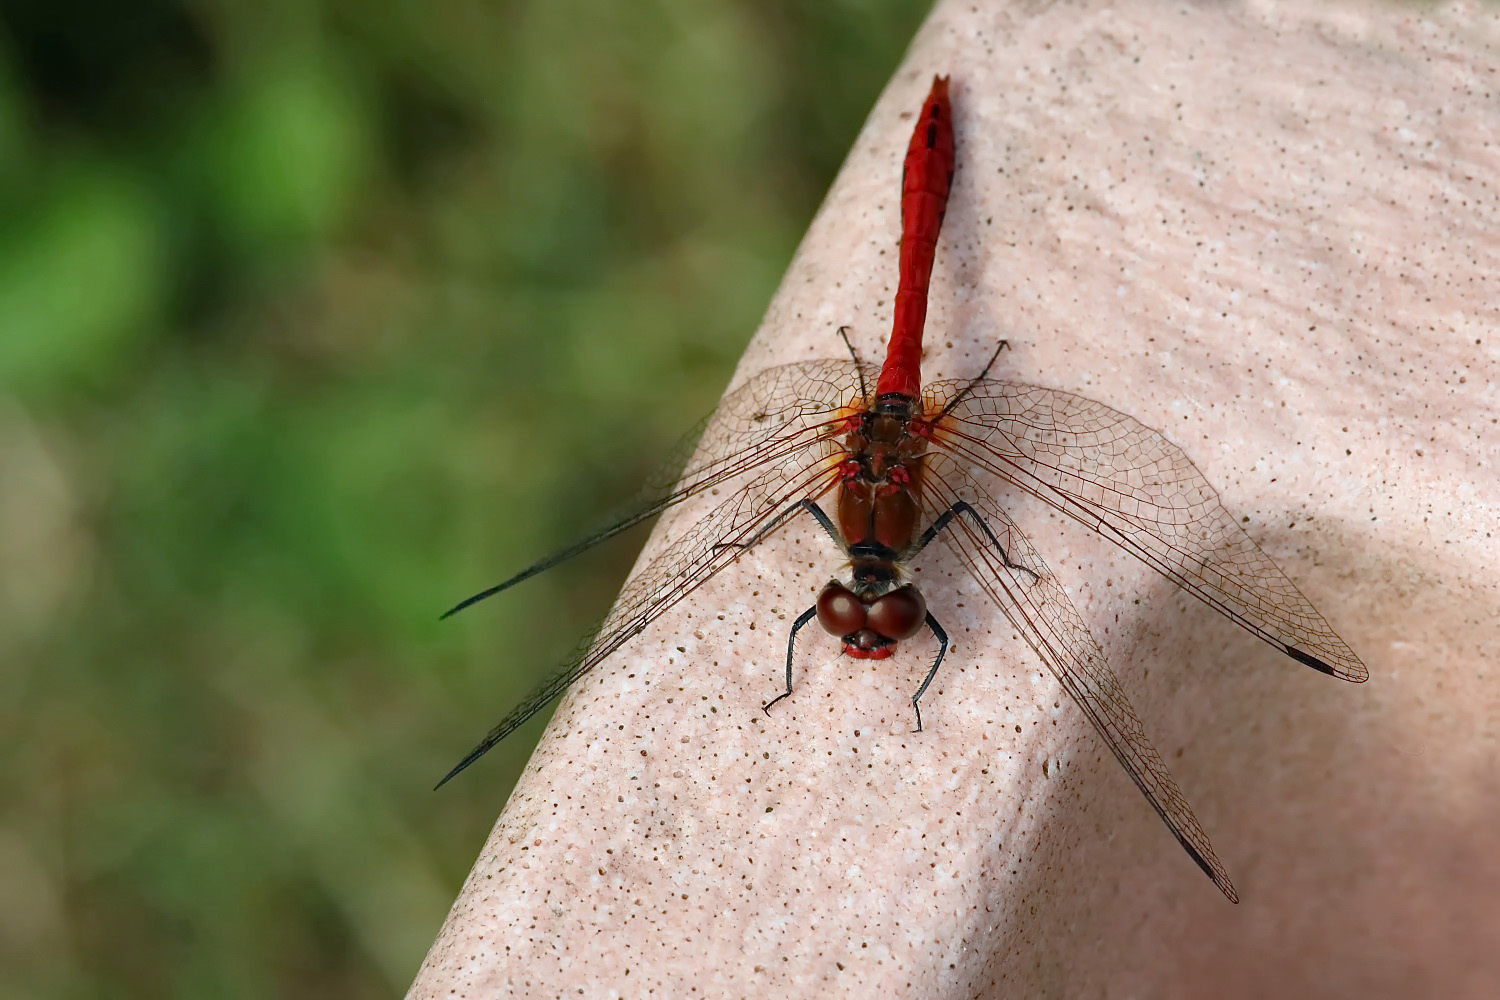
{"points": [[1271, 231]]}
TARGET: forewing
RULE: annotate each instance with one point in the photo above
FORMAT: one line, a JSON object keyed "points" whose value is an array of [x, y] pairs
{"points": [[1134, 487], [1039, 609], [765, 448], [774, 414]]}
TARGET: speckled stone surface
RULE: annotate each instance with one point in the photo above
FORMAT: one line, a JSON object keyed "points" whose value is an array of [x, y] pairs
{"points": [[1270, 230]]}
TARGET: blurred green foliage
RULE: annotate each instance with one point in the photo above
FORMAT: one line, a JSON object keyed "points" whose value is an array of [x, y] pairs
{"points": [[315, 317]]}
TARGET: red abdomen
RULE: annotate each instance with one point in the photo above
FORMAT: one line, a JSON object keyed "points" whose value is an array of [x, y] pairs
{"points": [[925, 179]]}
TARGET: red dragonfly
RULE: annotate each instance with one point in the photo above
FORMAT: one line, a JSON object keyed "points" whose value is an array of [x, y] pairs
{"points": [[893, 458]]}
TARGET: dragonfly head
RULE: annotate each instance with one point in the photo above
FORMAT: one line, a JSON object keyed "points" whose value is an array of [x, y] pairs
{"points": [[871, 624]]}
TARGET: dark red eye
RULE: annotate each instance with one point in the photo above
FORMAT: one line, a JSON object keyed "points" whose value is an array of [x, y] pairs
{"points": [[899, 614], [839, 611]]}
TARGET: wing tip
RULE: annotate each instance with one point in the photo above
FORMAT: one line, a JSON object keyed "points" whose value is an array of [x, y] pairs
{"points": [[1356, 674], [1220, 878], [462, 765], [1213, 869], [1205, 859]]}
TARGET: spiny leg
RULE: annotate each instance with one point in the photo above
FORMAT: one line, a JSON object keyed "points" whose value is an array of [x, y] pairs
{"points": [[985, 371], [864, 393], [791, 646], [810, 506], [826, 524], [946, 518], [942, 638], [958, 397]]}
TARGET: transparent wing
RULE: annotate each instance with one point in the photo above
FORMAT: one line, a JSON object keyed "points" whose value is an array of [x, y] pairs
{"points": [[775, 413], [1039, 609], [766, 447], [1134, 487]]}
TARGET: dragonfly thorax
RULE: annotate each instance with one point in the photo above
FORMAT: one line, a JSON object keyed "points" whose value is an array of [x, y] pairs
{"points": [[880, 476], [888, 425]]}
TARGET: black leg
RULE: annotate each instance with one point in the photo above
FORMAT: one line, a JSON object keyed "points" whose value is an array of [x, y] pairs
{"points": [[864, 393], [791, 646], [801, 505], [958, 397], [962, 507], [942, 638], [985, 371]]}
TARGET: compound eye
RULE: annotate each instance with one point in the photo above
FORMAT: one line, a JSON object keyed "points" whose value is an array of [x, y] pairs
{"points": [[899, 614], [839, 611]]}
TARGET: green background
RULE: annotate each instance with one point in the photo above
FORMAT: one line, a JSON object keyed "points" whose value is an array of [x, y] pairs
{"points": [[314, 318]]}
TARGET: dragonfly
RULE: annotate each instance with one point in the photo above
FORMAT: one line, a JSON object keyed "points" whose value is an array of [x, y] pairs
{"points": [[903, 467]]}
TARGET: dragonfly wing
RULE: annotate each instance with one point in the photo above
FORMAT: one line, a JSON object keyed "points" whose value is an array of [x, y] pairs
{"points": [[774, 414], [779, 405], [1129, 483], [1039, 609], [782, 457]]}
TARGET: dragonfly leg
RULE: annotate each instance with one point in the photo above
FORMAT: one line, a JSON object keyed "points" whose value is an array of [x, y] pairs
{"points": [[946, 518], [810, 506], [791, 646], [958, 397], [864, 393], [942, 638], [985, 371]]}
